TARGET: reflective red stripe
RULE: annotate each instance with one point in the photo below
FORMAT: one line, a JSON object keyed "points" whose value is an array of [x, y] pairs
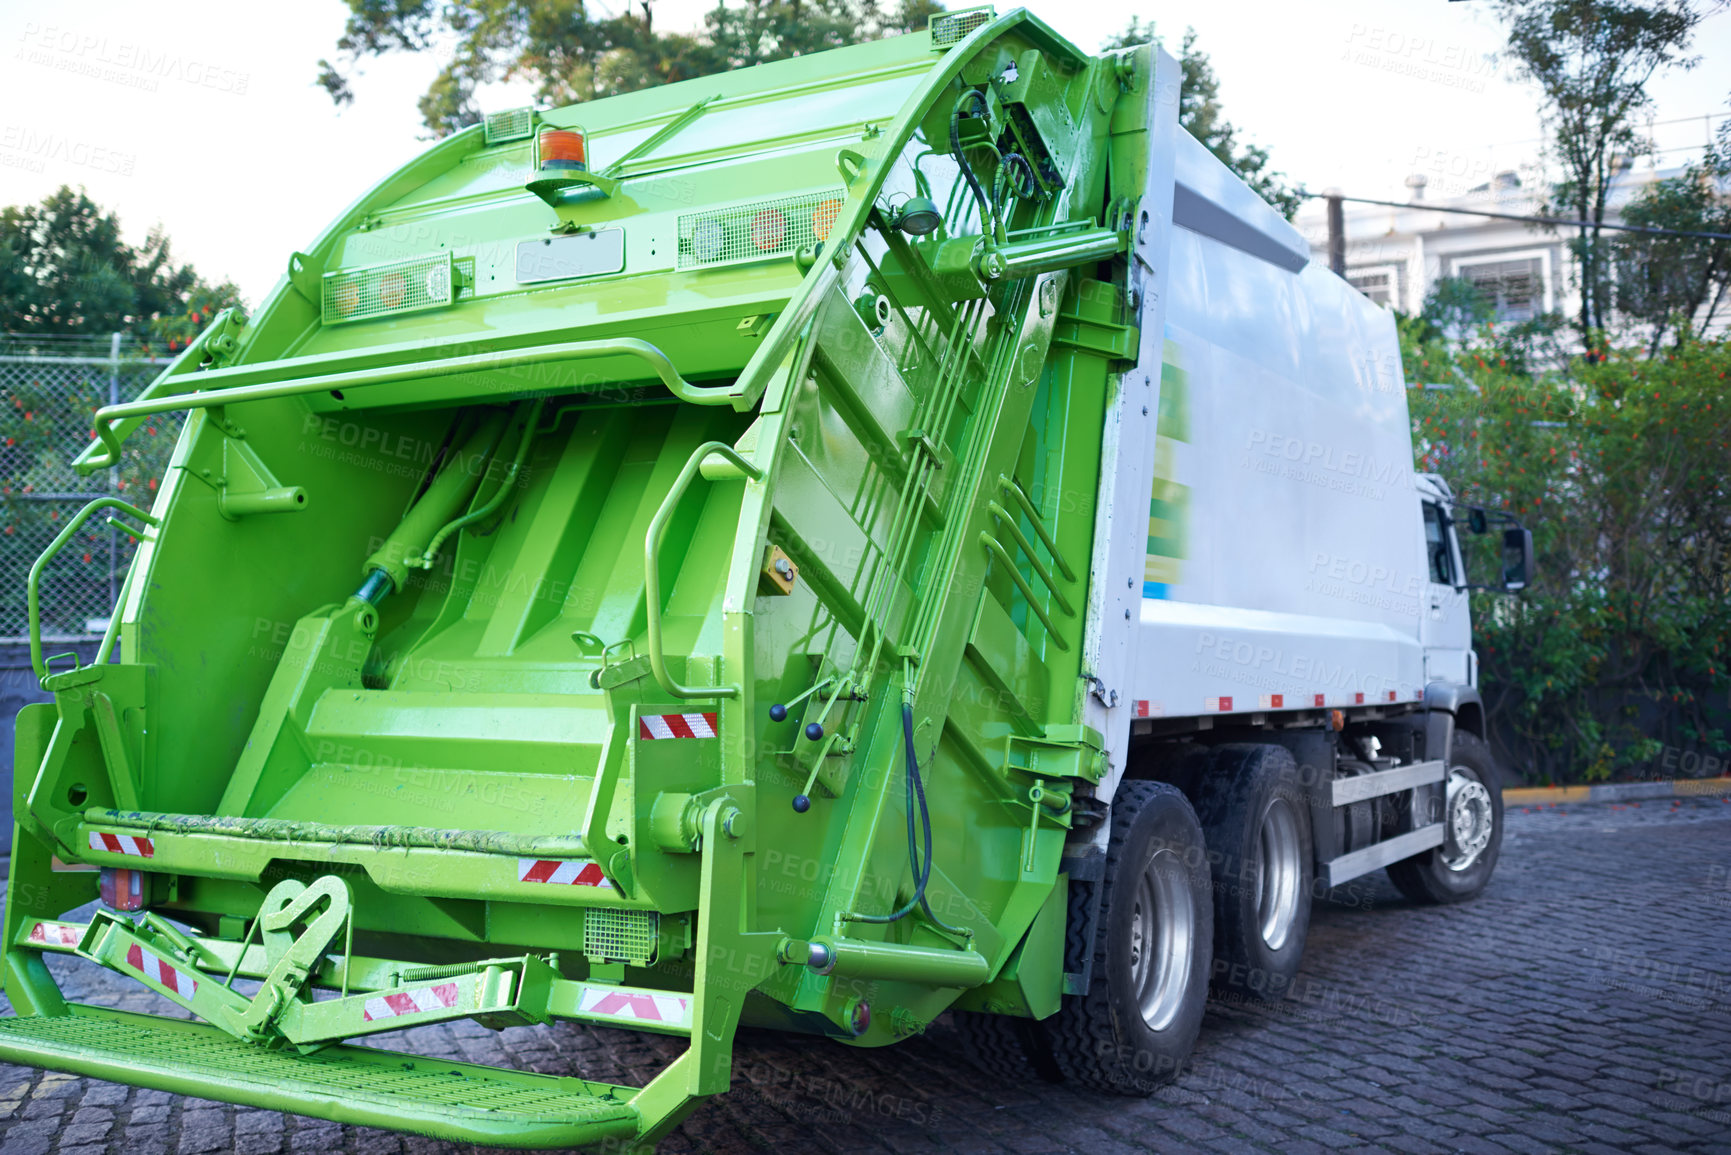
{"points": [[541, 871], [653, 726], [160, 972]]}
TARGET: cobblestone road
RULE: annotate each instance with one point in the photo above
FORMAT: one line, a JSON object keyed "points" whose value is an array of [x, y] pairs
{"points": [[1582, 1004]]}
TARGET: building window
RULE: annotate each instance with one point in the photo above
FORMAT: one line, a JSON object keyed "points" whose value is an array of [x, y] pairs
{"points": [[1515, 289], [1378, 284]]}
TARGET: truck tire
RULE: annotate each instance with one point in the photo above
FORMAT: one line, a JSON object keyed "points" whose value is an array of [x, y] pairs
{"points": [[1472, 828], [1257, 822], [1006, 1047], [1134, 1029]]}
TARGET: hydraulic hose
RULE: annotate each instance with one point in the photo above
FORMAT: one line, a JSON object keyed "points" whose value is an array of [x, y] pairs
{"points": [[920, 861], [988, 213]]}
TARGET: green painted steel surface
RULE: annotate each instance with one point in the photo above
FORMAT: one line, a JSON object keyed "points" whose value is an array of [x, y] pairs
{"points": [[344, 1084], [506, 665]]}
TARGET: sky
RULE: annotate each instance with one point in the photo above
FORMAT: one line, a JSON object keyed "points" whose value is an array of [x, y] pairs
{"points": [[205, 118]]}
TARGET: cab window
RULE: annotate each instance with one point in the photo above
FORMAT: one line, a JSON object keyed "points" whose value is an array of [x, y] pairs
{"points": [[1436, 544]]}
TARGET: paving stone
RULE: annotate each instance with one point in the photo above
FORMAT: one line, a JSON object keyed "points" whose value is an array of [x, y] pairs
{"points": [[1553, 1013]]}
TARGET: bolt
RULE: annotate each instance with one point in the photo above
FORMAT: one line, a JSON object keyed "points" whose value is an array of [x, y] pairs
{"points": [[1126, 615], [732, 822]]}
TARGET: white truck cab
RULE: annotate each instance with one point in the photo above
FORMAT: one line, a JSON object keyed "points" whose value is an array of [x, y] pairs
{"points": [[1445, 626]]}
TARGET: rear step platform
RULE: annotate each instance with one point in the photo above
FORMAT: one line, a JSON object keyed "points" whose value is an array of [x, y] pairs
{"points": [[462, 1102]]}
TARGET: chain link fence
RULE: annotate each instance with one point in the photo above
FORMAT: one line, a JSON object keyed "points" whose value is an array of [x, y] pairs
{"points": [[50, 387]]}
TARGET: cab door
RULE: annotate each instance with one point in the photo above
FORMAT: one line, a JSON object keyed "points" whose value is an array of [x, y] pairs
{"points": [[1445, 629]]}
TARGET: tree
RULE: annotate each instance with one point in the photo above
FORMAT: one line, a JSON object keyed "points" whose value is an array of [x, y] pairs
{"points": [[572, 56], [1592, 60], [65, 269], [1620, 647], [1456, 307], [1663, 281], [1199, 112]]}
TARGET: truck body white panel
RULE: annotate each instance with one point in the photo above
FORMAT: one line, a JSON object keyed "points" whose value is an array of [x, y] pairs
{"points": [[1286, 563]]}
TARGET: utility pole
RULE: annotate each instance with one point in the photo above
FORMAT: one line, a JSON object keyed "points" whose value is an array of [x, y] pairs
{"points": [[1336, 232]]}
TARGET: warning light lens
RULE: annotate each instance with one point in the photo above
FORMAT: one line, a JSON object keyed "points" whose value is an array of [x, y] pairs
{"points": [[564, 149], [122, 889], [823, 219], [347, 298], [768, 230], [707, 240], [393, 291]]}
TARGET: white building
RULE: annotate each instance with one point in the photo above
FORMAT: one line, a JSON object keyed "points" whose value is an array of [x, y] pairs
{"points": [[1395, 255]]}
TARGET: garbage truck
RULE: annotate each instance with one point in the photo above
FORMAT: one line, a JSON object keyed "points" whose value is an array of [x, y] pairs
{"points": [[896, 532]]}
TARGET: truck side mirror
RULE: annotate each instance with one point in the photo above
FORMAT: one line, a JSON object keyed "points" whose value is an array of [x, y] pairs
{"points": [[1517, 559], [1476, 520]]}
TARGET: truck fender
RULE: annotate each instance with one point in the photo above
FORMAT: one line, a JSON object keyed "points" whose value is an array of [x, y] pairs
{"points": [[1448, 705]]}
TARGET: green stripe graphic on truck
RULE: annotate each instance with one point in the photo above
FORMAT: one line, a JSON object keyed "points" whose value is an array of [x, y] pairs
{"points": [[1169, 508]]}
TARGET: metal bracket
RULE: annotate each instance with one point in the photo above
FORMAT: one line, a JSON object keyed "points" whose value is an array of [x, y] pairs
{"points": [[222, 338], [306, 275], [293, 957], [244, 484]]}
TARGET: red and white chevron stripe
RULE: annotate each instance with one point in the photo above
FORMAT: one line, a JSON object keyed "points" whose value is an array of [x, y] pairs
{"points": [[635, 1006], [676, 726], [123, 844], [160, 972], [565, 872], [410, 1002], [56, 933]]}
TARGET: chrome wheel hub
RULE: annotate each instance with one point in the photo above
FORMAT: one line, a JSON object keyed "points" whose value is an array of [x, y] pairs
{"points": [[1470, 820], [1162, 927], [1279, 873]]}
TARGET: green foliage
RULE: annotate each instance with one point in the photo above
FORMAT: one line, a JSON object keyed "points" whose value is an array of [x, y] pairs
{"points": [[1592, 60], [65, 272], [1455, 306], [1666, 282], [1621, 645], [64, 269], [571, 55], [1200, 113]]}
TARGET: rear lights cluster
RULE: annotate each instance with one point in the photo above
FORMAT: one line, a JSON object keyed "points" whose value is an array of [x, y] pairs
{"points": [[385, 290], [123, 888], [761, 229]]}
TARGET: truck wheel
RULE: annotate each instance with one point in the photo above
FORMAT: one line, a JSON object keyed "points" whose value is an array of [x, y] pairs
{"points": [[1257, 822], [1006, 1047], [1134, 1029], [1472, 830]]}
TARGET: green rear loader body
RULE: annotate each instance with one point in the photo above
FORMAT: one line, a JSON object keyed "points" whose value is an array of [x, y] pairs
{"points": [[655, 591]]}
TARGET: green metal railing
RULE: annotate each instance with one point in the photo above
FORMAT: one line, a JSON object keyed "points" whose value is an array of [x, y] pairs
{"points": [[651, 573], [60, 539], [109, 416]]}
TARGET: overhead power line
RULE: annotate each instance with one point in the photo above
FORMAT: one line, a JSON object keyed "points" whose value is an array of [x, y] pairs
{"points": [[1426, 208]]}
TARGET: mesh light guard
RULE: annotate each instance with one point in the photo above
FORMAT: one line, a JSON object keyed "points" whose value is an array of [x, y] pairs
{"points": [[627, 936], [750, 232], [388, 290], [951, 28], [513, 124]]}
